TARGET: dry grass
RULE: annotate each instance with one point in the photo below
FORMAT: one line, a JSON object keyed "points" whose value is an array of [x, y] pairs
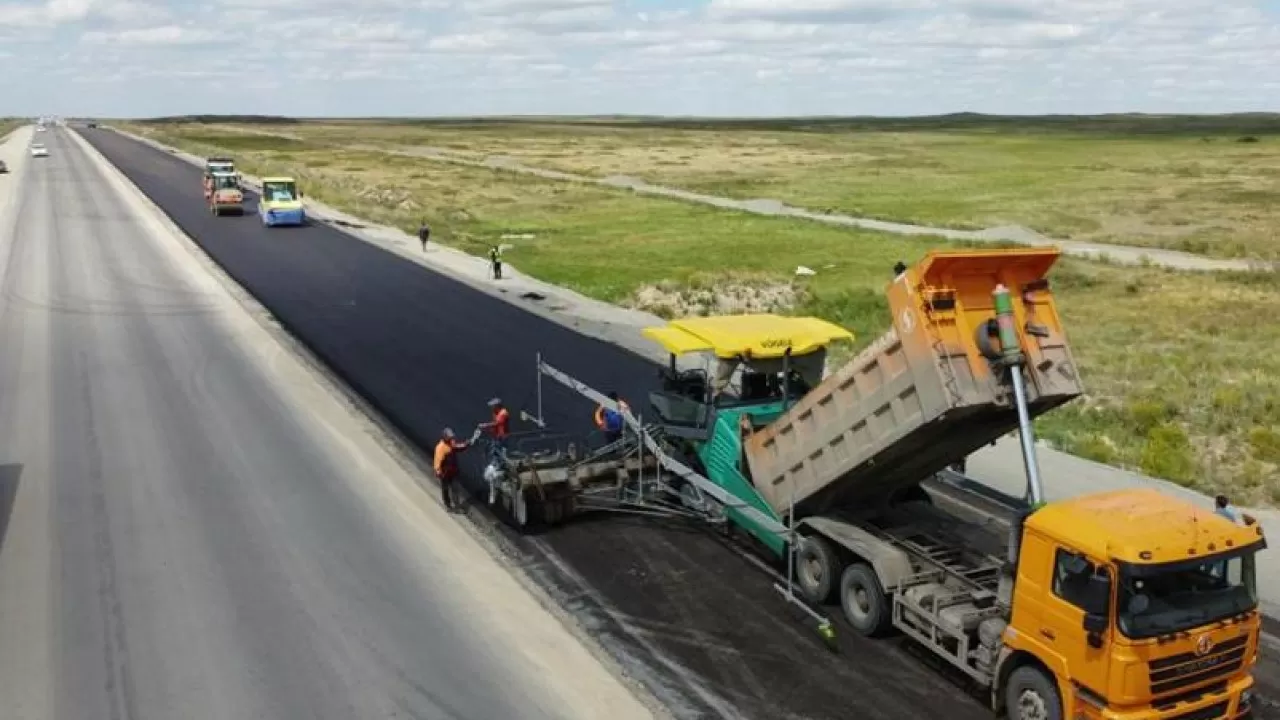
{"points": [[1183, 377], [1206, 194]]}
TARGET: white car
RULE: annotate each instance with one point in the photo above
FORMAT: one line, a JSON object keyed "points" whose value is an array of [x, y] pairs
{"points": [[39, 150]]}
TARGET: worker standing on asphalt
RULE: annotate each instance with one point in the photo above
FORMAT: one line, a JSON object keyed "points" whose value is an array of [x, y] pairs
{"points": [[424, 234], [500, 425], [611, 422], [446, 466], [495, 261]]}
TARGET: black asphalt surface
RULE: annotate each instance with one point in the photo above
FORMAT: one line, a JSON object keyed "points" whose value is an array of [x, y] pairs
{"points": [[698, 623], [180, 539]]}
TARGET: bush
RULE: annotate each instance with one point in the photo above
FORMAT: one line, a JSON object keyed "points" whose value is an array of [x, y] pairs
{"points": [[1167, 454], [1265, 443]]}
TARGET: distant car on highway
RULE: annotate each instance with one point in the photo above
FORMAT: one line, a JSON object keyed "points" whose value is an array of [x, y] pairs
{"points": [[281, 202], [39, 150], [3, 168]]}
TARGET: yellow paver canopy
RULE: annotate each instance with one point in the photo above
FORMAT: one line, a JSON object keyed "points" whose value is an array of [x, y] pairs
{"points": [[757, 336]]}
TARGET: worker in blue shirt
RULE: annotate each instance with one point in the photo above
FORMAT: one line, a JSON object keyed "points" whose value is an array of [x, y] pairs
{"points": [[611, 422], [1222, 506]]}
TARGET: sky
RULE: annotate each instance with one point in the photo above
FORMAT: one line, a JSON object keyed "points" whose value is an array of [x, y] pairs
{"points": [[144, 58]]}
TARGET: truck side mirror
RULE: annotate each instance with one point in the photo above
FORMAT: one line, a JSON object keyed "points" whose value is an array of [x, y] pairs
{"points": [[1097, 595], [1094, 626], [1097, 607]]}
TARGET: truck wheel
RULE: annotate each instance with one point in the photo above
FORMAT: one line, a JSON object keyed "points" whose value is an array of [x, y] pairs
{"points": [[1030, 695], [863, 600], [817, 567]]}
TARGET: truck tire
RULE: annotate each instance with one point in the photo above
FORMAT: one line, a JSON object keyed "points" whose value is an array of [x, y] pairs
{"points": [[865, 605], [1031, 695], [817, 567]]}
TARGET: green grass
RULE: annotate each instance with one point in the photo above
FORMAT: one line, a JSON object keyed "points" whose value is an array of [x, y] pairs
{"points": [[1188, 184], [1181, 369]]}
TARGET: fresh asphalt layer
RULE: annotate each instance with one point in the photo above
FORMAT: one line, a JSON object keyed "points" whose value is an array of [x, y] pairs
{"points": [[188, 526], [699, 624]]}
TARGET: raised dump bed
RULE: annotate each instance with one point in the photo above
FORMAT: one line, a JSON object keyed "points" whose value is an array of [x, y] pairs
{"points": [[928, 392]]}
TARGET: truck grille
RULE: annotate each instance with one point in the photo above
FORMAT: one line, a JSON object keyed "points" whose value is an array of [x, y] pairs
{"points": [[1180, 671], [1213, 712]]}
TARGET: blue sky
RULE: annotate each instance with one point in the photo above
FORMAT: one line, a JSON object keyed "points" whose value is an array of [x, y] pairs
{"points": [[690, 57]]}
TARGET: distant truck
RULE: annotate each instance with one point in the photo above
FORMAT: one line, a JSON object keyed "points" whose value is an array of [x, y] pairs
{"points": [[1121, 605], [224, 194], [281, 202]]}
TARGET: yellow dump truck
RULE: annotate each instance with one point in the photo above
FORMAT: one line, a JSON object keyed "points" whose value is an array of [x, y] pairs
{"points": [[1123, 605]]}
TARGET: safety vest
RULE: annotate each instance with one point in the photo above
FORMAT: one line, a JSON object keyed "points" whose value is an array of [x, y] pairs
{"points": [[446, 460], [611, 420]]}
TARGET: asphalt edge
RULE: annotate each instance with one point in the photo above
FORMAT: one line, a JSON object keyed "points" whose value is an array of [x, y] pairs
{"points": [[534, 567]]}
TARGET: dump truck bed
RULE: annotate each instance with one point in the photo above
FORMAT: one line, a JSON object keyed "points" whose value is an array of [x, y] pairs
{"points": [[924, 395]]}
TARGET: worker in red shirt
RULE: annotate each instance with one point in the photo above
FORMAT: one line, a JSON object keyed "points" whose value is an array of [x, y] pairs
{"points": [[499, 427], [446, 466]]}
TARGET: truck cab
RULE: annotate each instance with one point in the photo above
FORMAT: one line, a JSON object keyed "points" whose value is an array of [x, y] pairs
{"points": [[1132, 604], [280, 202]]}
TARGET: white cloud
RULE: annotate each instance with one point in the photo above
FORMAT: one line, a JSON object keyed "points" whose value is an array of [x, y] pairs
{"points": [[162, 35], [685, 57]]}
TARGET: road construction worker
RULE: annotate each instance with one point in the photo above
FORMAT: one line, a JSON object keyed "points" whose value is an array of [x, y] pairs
{"points": [[611, 422], [495, 261], [500, 426], [446, 466], [424, 234]]}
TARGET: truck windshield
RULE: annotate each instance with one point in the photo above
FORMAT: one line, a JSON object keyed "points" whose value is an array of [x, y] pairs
{"points": [[1161, 599], [226, 183]]}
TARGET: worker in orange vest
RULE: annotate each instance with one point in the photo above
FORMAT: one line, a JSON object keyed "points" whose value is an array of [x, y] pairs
{"points": [[446, 466], [612, 422]]}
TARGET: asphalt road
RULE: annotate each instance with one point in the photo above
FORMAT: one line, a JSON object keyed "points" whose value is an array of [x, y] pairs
{"points": [[697, 622], [184, 537]]}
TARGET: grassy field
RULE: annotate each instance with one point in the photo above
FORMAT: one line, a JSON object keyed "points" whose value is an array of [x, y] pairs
{"points": [[1208, 187], [1183, 378]]}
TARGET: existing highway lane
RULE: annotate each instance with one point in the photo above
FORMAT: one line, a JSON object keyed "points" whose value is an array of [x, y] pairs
{"points": [[192, 527], [428, 351]]}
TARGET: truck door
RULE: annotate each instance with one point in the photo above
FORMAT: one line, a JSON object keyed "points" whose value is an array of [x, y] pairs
{"points": [[1078, 585]]}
